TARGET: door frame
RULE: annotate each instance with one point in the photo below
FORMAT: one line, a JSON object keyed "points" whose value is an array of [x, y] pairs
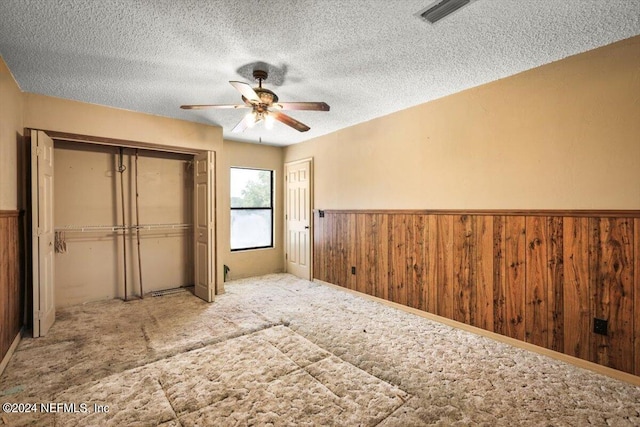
{"points": [[310, 213]]}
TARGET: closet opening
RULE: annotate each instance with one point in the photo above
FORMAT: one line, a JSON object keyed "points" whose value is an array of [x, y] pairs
{"points": [[111, 220], [111, 239]]}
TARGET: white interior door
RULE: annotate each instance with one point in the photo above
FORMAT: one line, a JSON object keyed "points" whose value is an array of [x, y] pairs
{"points": [[44, 309], [204, 226], [298, 218]]}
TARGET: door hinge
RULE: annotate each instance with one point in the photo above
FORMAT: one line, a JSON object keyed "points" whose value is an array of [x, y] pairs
{"points": [[39, 151], [40, 314], [286, 216], [286, 256]]}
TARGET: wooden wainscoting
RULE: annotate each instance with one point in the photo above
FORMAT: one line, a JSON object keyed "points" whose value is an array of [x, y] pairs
{"points": [[10, 317], [539, 276]]}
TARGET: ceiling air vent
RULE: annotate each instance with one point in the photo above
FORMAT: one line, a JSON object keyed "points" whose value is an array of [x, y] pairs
{"points": [[442, 9]]}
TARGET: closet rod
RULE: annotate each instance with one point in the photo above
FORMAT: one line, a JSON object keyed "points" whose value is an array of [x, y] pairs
{"points": [[90, 228]]}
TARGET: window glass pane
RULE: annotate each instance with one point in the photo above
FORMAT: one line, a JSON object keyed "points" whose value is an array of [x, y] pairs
{"points": [[251, 228], [250, 188]]}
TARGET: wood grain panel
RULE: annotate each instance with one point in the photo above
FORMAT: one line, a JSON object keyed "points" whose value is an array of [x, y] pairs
{"points": [[319, 248], [373, 254], [10, 305], [515, 276], [536, 281], [484, 272], [636, 294], [464, 269], [499, 276], [350, 249], [417, 261], [362, 280], [399, 236], [423, 261], [432, 266], [331, 248], [5, 285], [343, 250], [555, 284], [577, 295], [612, 240], [444, 267]]}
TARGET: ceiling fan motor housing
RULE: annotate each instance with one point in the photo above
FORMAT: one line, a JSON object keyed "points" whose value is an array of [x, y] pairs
{"points": [[266, 96]]}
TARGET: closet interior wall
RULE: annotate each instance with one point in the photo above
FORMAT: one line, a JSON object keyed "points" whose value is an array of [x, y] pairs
{"points": [[87, 193]]}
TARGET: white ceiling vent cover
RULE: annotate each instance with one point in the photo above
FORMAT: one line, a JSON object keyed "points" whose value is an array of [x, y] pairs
{"points": [[440, 10]]}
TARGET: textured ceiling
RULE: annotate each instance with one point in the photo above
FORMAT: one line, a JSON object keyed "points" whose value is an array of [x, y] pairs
{"points": [[365, 58]]}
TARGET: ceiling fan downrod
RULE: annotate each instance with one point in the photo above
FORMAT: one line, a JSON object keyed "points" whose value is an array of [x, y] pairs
{"points": [[260, 75]]}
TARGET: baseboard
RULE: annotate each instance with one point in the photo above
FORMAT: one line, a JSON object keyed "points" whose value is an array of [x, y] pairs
{"points": [[7, 357], [600, 369]]}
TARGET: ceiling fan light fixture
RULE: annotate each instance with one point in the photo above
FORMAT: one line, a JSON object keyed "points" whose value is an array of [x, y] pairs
{"points": [[268, 121], [441, 9], [252, 123]]}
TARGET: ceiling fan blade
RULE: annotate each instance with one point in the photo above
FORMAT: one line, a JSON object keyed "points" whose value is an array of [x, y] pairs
{"points": [[246, 91], [314, 106], [247, 121], [289, 121], [202, 107]]}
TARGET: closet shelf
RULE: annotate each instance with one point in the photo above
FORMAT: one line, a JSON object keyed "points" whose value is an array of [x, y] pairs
{"points": [[91, 228]]}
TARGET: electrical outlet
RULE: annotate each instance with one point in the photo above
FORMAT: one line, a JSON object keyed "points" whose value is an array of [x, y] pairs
{"points": [[599, 326], [321, 214], [353, 270]]}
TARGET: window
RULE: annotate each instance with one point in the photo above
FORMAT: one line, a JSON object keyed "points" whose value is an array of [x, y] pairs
{"points": [[251, 209]]}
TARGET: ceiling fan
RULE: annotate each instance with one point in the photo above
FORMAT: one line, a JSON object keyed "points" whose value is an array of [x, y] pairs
{"points": [[264, 106]]}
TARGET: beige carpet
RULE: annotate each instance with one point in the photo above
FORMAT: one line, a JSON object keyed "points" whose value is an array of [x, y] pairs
{"points": [[277, 350]]}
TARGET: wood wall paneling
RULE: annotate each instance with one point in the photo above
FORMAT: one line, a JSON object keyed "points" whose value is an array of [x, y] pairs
{"points": [[372, 271], [555, 284], [444, 265], [319, 247], [418, 287], [636, 294], [577, 289], [10, 305], [341, 249], [431, 293], [484, 272], [399, 237], [536, 296], [408, 240], [515, 276], [464, 269], [540, 279], [499, 276], [611, 268]]}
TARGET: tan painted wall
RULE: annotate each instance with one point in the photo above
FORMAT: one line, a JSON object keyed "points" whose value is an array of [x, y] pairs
{"points": [[11, 129], [562, 136], [260, 261], [63, 115], [87, 192]]}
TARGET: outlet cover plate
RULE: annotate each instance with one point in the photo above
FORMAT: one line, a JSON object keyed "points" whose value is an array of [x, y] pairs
{"points": [[600, 326]]}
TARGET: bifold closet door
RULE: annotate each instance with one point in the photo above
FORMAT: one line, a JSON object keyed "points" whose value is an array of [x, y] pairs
{"points": [[44, 310], [204, 226]]}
